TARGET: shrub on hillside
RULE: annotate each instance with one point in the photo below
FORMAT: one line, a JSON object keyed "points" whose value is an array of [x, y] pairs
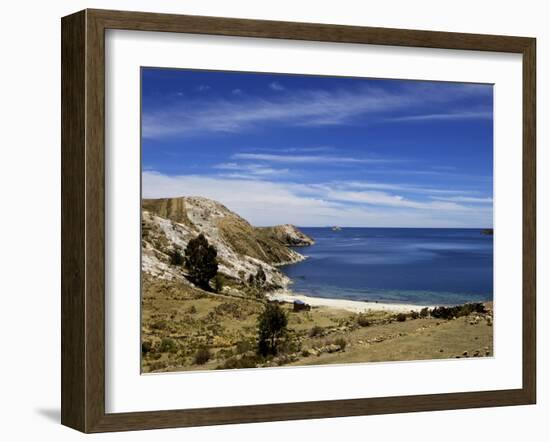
{"points": [[362, 320], [243, 346], [457, 310], [160, 324], [202, 356], [246, 361], [401, 317], [168, 345], [219, 282], [315, 331], [176, 258], [341, 342], [146, 347]]}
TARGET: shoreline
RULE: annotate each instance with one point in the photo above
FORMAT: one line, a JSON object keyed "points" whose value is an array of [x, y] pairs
{"points": [[286, 295]]}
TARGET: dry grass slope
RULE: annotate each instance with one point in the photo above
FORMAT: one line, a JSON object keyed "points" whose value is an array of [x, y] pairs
{"points": [[180, 322]]}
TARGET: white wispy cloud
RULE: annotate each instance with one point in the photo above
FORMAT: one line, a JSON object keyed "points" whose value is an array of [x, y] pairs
{"points": [[301, 108], [305, 108], [432, 173], [465, 115], [251, 170], [465, 199], [385, 199], [401, 187], [265, 202], [309, 159], [296, 149]]}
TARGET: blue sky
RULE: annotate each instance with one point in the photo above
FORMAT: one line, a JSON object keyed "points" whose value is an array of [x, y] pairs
{"points": [[318, 151]]}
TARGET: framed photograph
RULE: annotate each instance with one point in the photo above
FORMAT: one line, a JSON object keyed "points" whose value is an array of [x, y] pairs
{"points": [[266, 221]]}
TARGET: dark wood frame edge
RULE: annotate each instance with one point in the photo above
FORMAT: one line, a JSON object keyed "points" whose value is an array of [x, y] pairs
{"points": [[83, 234]]}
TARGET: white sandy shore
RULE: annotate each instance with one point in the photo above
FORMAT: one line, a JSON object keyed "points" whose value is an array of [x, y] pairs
{"points": [[343, 304]]}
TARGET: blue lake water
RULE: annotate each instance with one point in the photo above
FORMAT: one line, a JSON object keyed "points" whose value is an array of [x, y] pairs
{"points": [[416, 266]]}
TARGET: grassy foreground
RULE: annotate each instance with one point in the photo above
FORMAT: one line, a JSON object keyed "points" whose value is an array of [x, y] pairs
{"points": [[184, 328]]}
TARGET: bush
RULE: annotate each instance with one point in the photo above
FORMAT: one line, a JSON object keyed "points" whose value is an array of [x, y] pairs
{"points": [[401, 317], [424, 312], [290, 346], [457, 310], [246, 361], [219, 282], [146, 347], [316, 331], [176, 258], [202, 356], [168, 345], [243, 346], [341, 342], [362, 321], [414, 314], [160, 324], [201, 262], [224, 353], [272, 324]]}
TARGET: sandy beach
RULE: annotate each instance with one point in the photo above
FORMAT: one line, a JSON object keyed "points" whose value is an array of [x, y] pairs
{"points": [[343, 304]]}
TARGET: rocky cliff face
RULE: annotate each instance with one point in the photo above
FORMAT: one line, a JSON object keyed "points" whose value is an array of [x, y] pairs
{"points": [[242, 249]]}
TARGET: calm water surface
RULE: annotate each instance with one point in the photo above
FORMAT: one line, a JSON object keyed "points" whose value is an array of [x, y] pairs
{"points": [[417, 266]]}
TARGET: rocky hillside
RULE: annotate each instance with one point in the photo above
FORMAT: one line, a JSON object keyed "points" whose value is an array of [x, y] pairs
{"points": [[288, 235], [242, 249]]}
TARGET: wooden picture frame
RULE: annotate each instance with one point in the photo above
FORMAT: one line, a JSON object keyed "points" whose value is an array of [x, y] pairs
{"points": [[83, 220]]}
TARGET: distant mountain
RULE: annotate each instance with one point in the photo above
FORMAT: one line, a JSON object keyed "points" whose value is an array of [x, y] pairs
{"points": [[169, 224]]}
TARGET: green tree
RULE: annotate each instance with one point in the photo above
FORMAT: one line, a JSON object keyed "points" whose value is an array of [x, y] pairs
{"points": [[272, 324], [201, 262]]}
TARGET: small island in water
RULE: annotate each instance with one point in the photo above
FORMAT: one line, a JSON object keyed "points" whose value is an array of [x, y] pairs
{"points": [[219, 293]]}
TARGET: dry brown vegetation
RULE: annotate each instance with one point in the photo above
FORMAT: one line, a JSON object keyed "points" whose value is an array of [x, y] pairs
{"points": [[184, 328]]}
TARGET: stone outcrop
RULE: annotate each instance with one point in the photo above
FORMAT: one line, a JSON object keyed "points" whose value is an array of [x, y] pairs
{"points": [[169, 223]]}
